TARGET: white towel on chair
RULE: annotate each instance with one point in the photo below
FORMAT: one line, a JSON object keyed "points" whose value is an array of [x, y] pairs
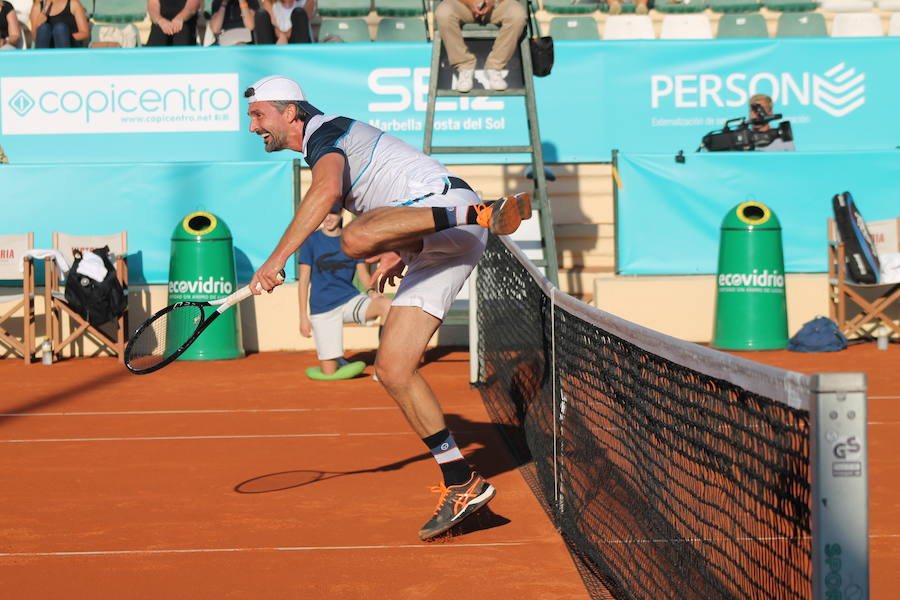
{"points": [[41, 253], [890, 267], [92, 266]]}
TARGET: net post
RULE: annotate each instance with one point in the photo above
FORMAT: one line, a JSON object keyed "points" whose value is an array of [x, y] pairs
{"points": [[840, 498], [474, 345]]}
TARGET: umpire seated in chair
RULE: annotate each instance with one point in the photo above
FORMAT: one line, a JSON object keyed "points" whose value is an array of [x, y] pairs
{"points": [[451, 15]]}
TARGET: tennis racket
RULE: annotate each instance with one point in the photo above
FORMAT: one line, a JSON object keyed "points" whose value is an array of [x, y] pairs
{"points": [[167, 334]]}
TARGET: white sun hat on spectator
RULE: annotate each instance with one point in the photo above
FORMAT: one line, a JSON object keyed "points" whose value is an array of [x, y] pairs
{"points": [[275, 88]]}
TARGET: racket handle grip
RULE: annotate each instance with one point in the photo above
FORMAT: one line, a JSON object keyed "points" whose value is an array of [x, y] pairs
{"points": [[243, 293]]}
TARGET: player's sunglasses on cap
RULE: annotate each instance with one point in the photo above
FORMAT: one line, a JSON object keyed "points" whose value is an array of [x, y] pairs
{"points": [[275, 88]]}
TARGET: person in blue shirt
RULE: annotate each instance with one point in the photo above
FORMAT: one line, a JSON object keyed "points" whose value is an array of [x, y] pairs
{"points": [[326, 285]]}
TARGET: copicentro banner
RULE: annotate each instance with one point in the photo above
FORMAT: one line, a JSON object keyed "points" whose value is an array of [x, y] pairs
{"points": [[148, 201], [669, 214], [186, 104]]}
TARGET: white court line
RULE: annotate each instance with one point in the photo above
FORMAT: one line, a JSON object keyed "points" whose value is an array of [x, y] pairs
{"points": [[188, 412], [176, 437], [207, 437], [204, 411], [884, 397], [263, 549]]}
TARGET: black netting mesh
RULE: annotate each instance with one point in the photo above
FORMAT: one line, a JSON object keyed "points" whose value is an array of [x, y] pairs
{"points": [[664, 482]]}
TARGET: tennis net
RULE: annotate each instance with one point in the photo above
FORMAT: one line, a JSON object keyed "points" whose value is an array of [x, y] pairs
{"points": [[671, 470]]}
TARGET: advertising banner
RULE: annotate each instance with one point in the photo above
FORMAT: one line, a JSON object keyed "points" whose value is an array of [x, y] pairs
{"points": [[669, 214], [148, 201], [186, 104]]}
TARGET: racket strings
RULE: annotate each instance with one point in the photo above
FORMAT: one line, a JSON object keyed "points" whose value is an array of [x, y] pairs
{"points": [[162, 337]]}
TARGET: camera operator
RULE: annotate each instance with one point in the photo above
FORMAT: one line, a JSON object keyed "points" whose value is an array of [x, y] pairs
{"points": [[755, 133], [760, 108]]}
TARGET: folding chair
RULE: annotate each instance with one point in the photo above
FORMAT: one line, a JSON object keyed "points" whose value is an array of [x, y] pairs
{"points": [[858, 308], [114, 342], [12, 249]]}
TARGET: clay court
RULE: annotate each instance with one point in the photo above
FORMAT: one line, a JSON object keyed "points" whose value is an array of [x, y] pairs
{"points": [[243, 479]]}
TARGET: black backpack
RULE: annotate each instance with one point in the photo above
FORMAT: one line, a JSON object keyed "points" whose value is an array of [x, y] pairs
{"points": [[97, 301]]}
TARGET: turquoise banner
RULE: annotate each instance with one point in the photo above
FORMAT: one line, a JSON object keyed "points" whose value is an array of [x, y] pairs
{"points": [[186, 104], [148, 201], [669, 214]]}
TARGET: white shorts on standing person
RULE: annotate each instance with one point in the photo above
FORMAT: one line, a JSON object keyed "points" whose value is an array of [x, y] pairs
{"points": [[325, 277]]}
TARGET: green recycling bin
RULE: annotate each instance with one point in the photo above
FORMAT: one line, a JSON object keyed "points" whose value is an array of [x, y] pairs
{"points": [[751, 309], [202, 268]]}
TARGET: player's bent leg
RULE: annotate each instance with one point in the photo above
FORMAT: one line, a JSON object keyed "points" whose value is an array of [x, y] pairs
{"points": [[386, 228], [397, 227]]}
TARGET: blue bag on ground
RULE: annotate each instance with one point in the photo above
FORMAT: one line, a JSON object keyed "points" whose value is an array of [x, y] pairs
{"points": [[819, 335]]}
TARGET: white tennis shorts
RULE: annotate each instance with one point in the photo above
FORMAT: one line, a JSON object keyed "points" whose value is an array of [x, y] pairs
{"points": [[328, 327], [435, 275]]}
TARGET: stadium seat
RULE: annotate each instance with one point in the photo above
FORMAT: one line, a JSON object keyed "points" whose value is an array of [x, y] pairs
{"points": [[18, 289], [629, 27], [735, 25], [119, 11], [571, 7], [894, 25], [349, 30], [791, 5], [856, 25], [409, 29], [680, 6], [574, 28], [79, 326], [801, 25], [344, 8], [400, 8], [847, 5], [685, 27], [858, 309], [733, 6]]}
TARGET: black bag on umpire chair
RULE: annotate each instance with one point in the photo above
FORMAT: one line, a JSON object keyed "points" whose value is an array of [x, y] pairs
{"points": [[97, 301], [541, 49]]}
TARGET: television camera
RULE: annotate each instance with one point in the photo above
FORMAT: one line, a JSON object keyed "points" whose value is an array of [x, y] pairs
{"points": [[743, 137]]}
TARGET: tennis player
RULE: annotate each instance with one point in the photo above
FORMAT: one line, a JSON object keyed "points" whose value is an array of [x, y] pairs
{"points": [[414, 215]]}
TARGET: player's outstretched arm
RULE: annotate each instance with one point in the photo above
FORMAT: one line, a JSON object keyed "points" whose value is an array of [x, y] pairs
{"points": [[326, 190]]}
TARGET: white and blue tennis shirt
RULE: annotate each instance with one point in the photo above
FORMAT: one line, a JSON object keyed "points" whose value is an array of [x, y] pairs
{"points": [[380, 169]]}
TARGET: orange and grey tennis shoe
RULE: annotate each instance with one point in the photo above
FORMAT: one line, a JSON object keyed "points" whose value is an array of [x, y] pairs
{"points": [[456, 503], [505, 215]]}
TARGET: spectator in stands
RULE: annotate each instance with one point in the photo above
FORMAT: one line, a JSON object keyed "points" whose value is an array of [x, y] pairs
{"points": [[615, 7], [285, 22], [10, 32], [510, 15], [334, 300], [233, 21], [59, 24], [765, 104], [174, 22]]}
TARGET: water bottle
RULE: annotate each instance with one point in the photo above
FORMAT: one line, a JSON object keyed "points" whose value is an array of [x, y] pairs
{"points": [[46, 353], [883, 336]]}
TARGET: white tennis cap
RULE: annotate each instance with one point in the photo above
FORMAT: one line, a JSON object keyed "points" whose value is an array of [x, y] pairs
{"points": [[275, 88]]}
